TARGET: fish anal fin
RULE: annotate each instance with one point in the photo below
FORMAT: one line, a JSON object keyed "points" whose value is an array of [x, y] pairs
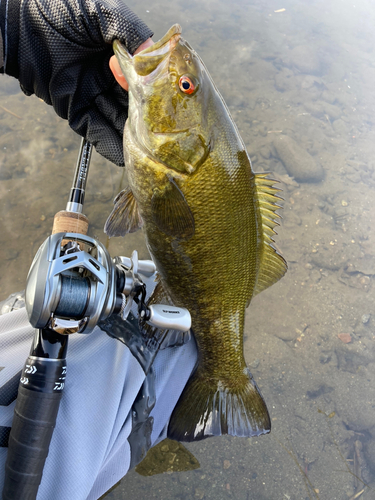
{"points": [[162, 338], [167, 456], [272, 265], [125, 217], [213, 408], [171, 211]]}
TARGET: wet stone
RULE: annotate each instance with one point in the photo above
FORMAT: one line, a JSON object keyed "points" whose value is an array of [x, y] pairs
{"points": [[287, 335], [10, 254], [265, 152], [346, 338], [366, 318], [349, 360], [325, 358], [334, 112], [364, 265], [254, 364], [320, 391], [330, 257], [305, 59], [310, 81], [297, 161], [285, 80], [340, 127]]}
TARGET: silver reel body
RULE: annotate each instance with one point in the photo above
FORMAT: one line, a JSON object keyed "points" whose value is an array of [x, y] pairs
{"points": [[73, 284]]}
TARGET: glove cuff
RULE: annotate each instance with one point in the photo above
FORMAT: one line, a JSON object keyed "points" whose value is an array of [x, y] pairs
{"points": [[9, 24]]}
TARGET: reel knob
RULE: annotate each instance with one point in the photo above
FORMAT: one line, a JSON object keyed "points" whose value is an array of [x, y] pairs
{"points": [[169, 317]]}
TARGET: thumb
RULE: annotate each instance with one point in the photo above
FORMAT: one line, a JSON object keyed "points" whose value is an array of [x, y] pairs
{"points": [[115, 66]]}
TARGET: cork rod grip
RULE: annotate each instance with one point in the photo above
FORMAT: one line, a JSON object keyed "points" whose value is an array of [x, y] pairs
{"points": [[70, 222]]}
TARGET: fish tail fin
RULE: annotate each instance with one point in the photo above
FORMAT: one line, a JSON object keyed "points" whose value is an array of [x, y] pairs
{"points": [[209, 409]]}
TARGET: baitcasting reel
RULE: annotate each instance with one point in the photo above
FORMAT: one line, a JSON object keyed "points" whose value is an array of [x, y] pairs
{"points": [[73, 284]]}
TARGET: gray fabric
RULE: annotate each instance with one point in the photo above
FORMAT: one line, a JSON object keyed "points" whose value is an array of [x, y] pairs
{"points": [[90, 449], [14, 302]]}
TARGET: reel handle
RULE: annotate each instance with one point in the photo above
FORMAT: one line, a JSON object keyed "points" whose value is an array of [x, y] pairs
{"points": [[169, 317]]}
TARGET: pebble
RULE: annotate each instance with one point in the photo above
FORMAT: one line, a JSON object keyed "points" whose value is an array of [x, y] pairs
{"points": [[255, 363], [345, 337], [366, 318]]}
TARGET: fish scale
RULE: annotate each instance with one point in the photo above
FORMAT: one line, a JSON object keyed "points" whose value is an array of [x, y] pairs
{"points": [[208, 222]]}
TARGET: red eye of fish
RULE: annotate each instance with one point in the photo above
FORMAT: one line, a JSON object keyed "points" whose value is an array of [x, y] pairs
{"points": [[186, 85]]}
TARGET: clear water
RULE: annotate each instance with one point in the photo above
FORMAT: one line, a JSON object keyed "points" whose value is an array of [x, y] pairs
{"points": [[306, 72]]}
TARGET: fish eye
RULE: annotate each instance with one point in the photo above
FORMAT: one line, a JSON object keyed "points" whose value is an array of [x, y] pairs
{"points": [[186, 85]]}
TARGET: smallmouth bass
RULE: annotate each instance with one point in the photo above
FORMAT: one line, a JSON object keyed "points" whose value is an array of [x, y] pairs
{"points": [[208, 221]]}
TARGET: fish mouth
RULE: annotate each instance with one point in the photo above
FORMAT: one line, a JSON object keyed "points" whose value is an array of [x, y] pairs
{"points": [[166, 43], [146, 61], [182, 131]]}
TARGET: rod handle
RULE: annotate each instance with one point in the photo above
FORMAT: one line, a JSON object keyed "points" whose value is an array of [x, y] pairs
{"points": [[70, 222], [32, 427]]}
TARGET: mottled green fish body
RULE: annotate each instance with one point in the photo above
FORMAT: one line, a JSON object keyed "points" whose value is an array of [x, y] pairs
{"points": [[208, 221]]}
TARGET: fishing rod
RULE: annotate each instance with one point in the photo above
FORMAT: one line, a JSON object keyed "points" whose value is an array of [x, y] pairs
{"points": [[73, 283]]}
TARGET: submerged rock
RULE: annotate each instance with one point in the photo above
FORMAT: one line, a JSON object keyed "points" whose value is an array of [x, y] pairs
{"points": [[306, 60], [297, 161]]}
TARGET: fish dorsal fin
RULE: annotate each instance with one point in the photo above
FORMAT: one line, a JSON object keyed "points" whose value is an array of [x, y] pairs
{"points": [[125, 217], [272, 264], [171, 211]]}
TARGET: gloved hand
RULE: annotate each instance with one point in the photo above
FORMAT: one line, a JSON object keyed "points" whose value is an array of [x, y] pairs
{"points": [[60, 50]]}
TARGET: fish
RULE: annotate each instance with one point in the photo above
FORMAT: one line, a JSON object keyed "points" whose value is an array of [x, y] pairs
{"points": [[209, 224]]}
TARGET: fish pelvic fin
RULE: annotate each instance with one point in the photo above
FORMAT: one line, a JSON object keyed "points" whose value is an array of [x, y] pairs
{"points": [[125, 217], [209, 409], [272, 265]]}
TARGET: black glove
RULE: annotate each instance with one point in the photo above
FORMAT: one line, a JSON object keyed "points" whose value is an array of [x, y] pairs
{"points": [[60, 50]]}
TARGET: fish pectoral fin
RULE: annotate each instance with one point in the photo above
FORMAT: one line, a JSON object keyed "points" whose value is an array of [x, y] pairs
{"points": [[272, 265], [125, 217], [171, 212], [162, 338]]}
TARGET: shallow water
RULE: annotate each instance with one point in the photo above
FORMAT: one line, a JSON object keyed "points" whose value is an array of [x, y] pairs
{"points": [[306, 72]]}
